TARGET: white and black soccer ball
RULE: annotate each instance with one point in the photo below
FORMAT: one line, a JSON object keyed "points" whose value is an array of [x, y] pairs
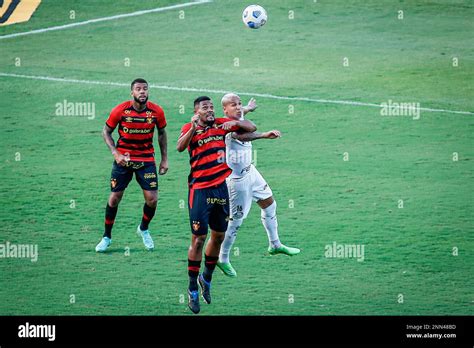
{"points": [[254, 16]]}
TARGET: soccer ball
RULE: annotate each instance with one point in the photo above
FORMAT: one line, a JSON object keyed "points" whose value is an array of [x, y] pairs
{"points": [[254, 16]]}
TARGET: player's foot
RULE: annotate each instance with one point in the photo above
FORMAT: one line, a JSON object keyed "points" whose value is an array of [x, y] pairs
{"points": [[103, 245], [193, 301], [147, 241], [283, 249], [205, 289], [227, 269]]}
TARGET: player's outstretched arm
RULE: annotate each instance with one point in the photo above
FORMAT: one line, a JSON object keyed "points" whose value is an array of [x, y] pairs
{"points": [[244, 125], [107, 135], [185, 139], [163, 142], [251, 136]]}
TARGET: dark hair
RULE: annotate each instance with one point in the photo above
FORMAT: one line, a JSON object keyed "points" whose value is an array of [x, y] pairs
{"points": [[139, 80], [200, 99]]}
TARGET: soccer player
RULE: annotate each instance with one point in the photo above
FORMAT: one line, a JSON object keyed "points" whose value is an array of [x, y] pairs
{"points": [[136, 120], [246, 184], [208, 200]]}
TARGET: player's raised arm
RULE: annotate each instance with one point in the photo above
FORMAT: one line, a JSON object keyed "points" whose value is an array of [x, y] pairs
{"points": [[185, 138], [251, 136], [107, 135], [251, 106]]}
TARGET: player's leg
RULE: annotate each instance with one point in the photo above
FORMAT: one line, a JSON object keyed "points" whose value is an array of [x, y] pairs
{"points": [[198, 219], [218, 221], [148, 180], [240, 198], [264, 197], [120, 178]]}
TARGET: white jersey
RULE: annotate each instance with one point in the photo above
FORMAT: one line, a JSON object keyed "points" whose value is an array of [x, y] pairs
{"points": [[238, 156]]}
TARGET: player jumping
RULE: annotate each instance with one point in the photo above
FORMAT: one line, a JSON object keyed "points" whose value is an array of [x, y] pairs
{"points": [[134, 153], [246, 184], [208, 200]]}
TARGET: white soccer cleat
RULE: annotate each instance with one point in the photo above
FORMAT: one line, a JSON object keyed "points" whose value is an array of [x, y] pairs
{"points": [[103, 245], [147, 241]]}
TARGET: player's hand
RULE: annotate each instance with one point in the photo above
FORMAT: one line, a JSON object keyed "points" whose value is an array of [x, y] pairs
{"points": [[194, 121], [229, 125], [252, 105], [273, 134], [163, 167], [121, 160]]}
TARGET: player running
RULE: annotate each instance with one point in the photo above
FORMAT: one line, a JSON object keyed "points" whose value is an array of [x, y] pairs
{"points": [[246, 184], [208, 200], [134, 153]]}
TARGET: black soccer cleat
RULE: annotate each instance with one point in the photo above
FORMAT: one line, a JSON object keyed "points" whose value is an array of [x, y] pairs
{"points": [[205, 289], [193, 301]]}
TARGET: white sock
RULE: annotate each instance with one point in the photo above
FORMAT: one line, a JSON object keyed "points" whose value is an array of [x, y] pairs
{"points": [[269, 221], [229, 239]]}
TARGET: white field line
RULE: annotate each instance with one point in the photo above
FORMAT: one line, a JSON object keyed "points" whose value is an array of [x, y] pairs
{"points": [[218, 91], [103, 19]]}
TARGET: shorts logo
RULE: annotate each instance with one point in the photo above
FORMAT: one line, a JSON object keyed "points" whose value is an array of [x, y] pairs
{"points": [[113, 183], [221, 201], [153, 184], [239, 212], [196, 225], [149, 176]]}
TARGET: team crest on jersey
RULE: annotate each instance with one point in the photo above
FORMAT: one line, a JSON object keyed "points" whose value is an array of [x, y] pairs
{"points": [[113, 183], [199, 131], [128, 119], [196, 225], [149, 120]]}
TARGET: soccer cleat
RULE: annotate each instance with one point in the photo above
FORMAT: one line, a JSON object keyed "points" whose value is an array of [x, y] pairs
{"points": [[147, 241], [103, 245], [283, 249], [193, 301], [227, 269], [205, 289]]}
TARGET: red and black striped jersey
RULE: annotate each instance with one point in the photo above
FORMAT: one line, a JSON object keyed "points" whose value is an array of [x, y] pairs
{"points": [[136, 129], [207, 154]]}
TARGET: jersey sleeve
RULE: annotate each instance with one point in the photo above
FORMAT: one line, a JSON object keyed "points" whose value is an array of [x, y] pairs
{"points": [[161, 120], [114, 117], [185, 129]]}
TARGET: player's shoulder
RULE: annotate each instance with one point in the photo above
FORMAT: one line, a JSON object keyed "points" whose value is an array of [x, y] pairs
{"points": [[186, 126], [154, 107], [221, 120], [123, 106]]}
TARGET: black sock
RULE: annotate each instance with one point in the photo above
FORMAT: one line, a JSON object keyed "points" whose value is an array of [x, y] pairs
{"points": [[110, 213], [193, 272], [210, 265], [148, 213]]}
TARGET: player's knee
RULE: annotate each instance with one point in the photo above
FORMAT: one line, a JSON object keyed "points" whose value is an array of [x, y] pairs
{"points": [[152, 201], [198, 242], [115, 199], [218, 237], [269, 211]]}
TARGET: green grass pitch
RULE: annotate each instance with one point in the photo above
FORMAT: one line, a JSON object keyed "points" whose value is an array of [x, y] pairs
{"points": [[343, 173]]}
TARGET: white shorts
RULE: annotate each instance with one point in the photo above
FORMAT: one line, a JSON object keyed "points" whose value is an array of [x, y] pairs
{"points": [[245, 189]]}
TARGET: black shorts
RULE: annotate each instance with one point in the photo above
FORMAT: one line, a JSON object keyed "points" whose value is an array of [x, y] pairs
{"points": [[208, 207], [145, 174]]}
